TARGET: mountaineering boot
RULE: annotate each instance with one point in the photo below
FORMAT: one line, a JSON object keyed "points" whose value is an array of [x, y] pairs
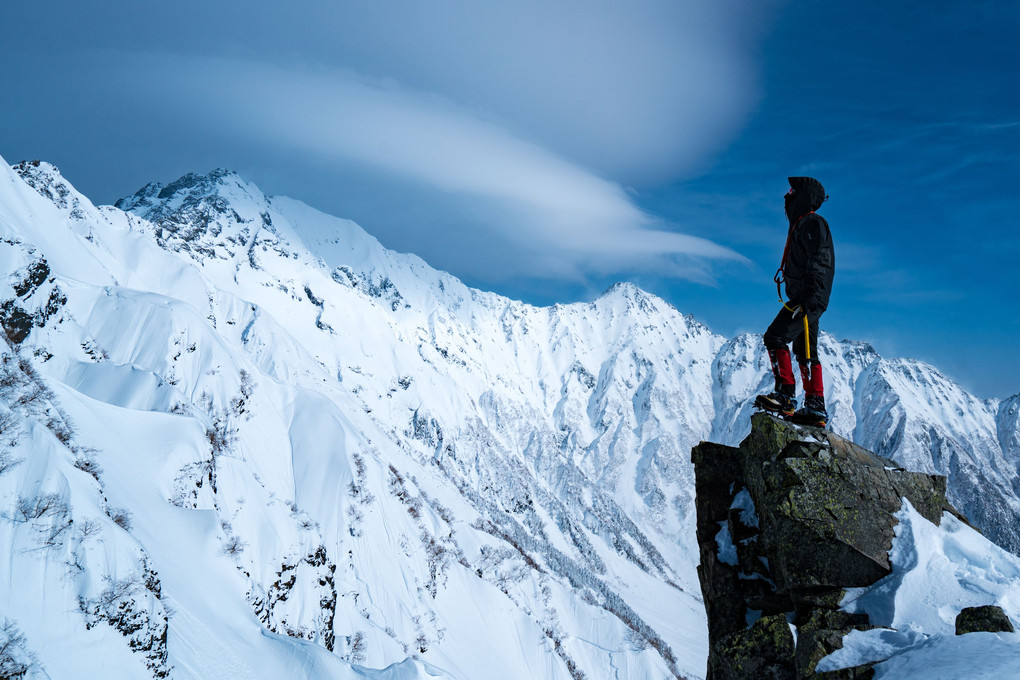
{"points": [[813, 412], [781, 399], [777, 402]]}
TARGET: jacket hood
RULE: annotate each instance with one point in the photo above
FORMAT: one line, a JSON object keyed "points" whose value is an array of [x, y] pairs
{"points": [[809, 194]]}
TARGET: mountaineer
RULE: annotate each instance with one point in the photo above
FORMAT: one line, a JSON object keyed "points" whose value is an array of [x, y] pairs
{"points": [[807, 269]]}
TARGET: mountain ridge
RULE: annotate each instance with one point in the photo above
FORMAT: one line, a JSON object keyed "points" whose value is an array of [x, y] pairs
{"points": [[441, 438]]}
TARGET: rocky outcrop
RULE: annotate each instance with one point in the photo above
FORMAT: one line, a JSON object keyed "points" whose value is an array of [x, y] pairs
{"points": [[988, 618], [786, 522]]}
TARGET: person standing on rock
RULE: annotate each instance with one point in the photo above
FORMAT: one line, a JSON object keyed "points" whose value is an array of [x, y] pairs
{"points": [[807, 268]]}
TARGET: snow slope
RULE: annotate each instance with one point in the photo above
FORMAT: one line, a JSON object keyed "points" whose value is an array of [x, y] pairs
{"points": [[313, 444]]}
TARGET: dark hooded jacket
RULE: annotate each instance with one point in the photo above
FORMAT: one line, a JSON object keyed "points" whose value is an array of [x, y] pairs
{"points": [[811, 260]]}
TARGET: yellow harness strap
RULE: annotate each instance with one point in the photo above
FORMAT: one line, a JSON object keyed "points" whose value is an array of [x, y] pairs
{"points": [[807, 339]]}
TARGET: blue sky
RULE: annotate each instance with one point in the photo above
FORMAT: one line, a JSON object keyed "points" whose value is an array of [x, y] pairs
{"points": [[545, 149]]}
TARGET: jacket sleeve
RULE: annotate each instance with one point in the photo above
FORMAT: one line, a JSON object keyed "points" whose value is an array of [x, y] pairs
{"points": [[818, 247]]}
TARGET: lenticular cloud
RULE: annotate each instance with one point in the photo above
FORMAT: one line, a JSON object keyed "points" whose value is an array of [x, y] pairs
{"points": [[537, 199]]}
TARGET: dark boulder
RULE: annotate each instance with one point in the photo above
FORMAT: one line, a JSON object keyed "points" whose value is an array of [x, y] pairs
{"points": [[988, 619], [786, 522]]}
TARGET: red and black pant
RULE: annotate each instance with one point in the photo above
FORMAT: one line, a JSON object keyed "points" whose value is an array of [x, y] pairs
{"points": [[787, 328]]}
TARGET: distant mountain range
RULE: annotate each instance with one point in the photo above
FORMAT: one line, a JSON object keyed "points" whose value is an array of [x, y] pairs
{"points": [[241, 439]]}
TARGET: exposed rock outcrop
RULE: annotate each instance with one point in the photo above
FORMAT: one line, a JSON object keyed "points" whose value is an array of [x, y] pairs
{"points": [[988, 618], [786, 522]]}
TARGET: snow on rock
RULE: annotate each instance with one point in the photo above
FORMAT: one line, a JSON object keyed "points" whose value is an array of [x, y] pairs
{"points": [[1007, 423], [336, 458], [937, 572]]}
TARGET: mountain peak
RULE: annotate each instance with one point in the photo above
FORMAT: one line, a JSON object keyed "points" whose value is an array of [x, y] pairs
{"points": [[193, 182], [191, 185], [209, 215], [624, 289], [629, 292]]}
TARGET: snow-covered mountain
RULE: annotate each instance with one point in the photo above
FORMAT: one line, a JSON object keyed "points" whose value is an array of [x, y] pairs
{"points": [[242, 439]]}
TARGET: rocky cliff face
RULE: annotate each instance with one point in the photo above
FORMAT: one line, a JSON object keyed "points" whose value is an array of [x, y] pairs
{"points": [[786, 523]]}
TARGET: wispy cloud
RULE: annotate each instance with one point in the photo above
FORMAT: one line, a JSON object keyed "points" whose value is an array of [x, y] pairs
{"points": [[549, 205]]}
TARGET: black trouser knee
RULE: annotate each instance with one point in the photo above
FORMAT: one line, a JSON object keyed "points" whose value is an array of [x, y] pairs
{"points": [[787, 328]]}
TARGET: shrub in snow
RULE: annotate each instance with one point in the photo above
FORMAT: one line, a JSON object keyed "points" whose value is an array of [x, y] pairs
{"points": [[234, 546], [8, 461], [121, 517], [47, 513], [15, 661], [88, 527], [85, 460], [357, 648]]}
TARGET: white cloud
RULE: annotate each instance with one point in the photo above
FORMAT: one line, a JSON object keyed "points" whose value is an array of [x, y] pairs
{"points": [[637, 90], [512, 130], [549, 205]]}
